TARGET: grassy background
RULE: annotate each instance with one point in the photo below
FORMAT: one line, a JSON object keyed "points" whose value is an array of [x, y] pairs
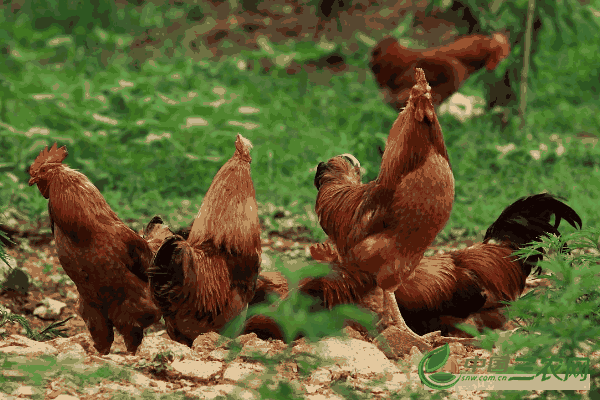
{"points": [[131, 134]]}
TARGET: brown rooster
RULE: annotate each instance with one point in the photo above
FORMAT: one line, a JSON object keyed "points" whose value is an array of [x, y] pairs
{"points": [[384, 227], [446, 67], [474, 51], [205, 281], [448, 288], [105, 258]]}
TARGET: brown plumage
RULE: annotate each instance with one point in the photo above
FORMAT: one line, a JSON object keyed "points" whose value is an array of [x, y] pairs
{"points": [[205, 281], [104, 257], [155, 233], [449, 288], [383, 227], [475, 51], [446, 67]]}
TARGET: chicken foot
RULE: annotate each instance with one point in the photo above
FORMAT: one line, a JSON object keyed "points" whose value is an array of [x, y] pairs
{"points": [[392, 317]]}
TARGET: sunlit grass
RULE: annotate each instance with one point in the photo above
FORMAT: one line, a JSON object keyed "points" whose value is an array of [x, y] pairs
{"points": [[153, 139]]}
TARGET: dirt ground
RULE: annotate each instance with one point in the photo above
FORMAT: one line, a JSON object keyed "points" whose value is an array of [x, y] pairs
{"points": [[35, 252]]}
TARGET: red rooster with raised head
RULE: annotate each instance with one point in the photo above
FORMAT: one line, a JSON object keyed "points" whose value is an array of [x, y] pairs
{"points": [[449, 288], [203, 282], [446, 67], [382, 228], [103, 256]]}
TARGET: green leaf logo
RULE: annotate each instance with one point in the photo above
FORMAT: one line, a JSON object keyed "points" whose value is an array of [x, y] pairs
{"points": [[433, 361], [442, 377], [437, 358]]}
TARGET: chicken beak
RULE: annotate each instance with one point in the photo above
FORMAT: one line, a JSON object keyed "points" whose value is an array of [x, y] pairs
{"points": [[33, 181]]}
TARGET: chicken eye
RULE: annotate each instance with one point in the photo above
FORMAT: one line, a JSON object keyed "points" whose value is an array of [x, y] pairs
{"points": [[391, 83]]}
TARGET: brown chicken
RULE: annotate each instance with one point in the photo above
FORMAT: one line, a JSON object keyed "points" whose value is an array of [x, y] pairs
{"points": [[104, 257], [446, 67], [465, 286], [205, 281], [449, 288], [384, 227]]}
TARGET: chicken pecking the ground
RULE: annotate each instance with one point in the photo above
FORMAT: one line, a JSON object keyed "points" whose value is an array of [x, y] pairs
{"points": [[205, 281], [103, 256], [472, 283], [446, 67], [384, 227]]}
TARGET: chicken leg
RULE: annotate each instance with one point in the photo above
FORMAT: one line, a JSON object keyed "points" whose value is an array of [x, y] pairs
{"points": [[378, 254], [391, 312], [388, 279]]}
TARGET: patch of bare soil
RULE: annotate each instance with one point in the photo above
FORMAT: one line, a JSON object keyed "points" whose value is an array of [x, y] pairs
{"points": [[205, 370], [34, 251]]}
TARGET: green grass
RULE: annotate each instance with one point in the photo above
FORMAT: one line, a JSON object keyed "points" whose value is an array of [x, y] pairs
{"points": [[38, 371], [293, 133], [83, 90]]}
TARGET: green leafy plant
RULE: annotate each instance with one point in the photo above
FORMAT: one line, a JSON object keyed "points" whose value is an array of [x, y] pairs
{"points": [[52, 331], [559, 320], [3, 255]]}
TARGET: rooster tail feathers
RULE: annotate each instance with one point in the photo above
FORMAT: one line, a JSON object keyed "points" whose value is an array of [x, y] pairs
{"points": [[54, 155], [166, 272], [383, 57], [528, 219], [563, 211]]}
